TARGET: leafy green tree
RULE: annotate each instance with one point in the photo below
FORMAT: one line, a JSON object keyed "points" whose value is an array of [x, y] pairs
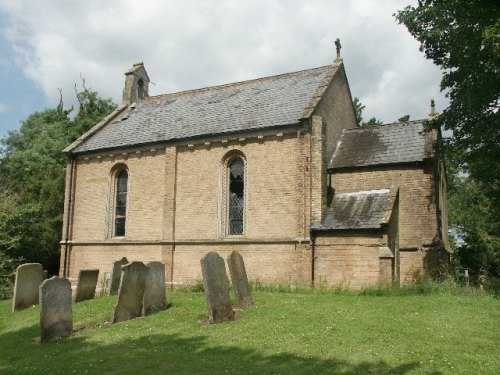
{"points": [[463, 38], [32, 169], [358, 110]]}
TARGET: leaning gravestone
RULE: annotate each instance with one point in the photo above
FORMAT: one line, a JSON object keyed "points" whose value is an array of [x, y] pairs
{"points": [[29, 276], [87, 282], [154, 293], [131, 292], [216, 286], [56, 314], [239, 279], [116, 273]]}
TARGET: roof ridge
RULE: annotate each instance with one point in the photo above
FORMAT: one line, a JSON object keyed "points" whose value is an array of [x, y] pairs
{"points": [[360, 128], [235, 84]]}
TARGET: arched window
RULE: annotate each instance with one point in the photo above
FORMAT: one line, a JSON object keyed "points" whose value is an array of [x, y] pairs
{"points": [[140, 88], [236, 202], [233, 194], [120, 214]]}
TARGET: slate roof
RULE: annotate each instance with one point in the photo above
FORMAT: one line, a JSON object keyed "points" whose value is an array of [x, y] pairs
{"points": [[257, 104], [404, 142], [358, 210]]}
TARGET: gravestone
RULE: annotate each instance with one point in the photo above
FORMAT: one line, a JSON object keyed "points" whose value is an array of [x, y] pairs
{"points": [[154, 293], [87, 282], [45, 274], [56, 314], [131, 292], [239, 279], [29, 276], [116, 273], [216, 286]]}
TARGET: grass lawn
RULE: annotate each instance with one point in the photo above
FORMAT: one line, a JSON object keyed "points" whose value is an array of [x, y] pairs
{"points": [[282, 333]]}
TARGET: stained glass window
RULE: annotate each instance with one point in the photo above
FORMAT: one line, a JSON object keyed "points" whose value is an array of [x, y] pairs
{"points": [[236, 196], [121, 203]]}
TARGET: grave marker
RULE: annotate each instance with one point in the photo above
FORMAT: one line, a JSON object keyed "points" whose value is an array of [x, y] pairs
{"points": [[116, 273], [56, 314], [216, 286], [29, 276], [239, 279], [131, 292], [154, 293], [87, 282]]}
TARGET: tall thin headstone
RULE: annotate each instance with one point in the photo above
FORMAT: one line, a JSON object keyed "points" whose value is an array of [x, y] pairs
{"points": [[154, 293], [239, 279], [56, 313], [29, 276], [216, 286], [131, 292], [87, 282], [116, 273]]}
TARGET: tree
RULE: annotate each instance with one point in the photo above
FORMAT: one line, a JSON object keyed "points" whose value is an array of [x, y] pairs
{"points": [[463, 38], [32, 171], [358, 110]]}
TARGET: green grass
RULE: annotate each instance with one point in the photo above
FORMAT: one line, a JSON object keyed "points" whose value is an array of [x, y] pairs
{"points": [[282, 333]]}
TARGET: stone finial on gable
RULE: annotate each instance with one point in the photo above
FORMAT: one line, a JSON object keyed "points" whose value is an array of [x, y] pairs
{"points": [[136, 84], [433, 113], [338, 46]]}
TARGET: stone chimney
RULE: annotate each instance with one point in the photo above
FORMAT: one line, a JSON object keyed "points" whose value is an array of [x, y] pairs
{"points": [[136, 84]]}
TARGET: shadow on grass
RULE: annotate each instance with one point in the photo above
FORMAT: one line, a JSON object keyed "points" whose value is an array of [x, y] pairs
{"points": [[164, 353]]}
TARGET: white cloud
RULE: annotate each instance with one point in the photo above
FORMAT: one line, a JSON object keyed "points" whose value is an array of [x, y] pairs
{"points": [[192, 44]]}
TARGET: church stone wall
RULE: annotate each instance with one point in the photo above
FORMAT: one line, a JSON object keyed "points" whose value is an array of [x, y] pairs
{"points": [[417, 208], [347, 260]]}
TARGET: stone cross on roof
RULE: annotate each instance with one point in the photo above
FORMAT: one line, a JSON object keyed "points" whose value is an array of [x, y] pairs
{"points": [[339, 47]]}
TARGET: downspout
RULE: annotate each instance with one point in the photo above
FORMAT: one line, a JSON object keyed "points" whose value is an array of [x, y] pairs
{"points": [[69, 214], [313, 257]]}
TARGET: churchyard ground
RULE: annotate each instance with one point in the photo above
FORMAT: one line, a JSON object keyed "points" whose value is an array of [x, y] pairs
{"points": [[299, 332]]}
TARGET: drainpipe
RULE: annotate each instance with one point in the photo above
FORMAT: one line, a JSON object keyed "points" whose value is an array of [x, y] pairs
{"points": [[69, 214], [313, 256]]}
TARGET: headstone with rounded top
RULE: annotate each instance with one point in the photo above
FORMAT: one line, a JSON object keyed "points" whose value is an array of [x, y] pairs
{"points": [[131, 292], [116, 273], [87, 282], [29, 276], [216, 286], [56, 313], [154, 293], [239, 279]]}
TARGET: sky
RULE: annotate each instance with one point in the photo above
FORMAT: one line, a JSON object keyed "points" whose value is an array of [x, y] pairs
{"points": [[47, 45]]}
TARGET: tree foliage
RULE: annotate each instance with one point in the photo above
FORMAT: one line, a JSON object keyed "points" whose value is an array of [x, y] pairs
{"points": [[358, 110], [463, 38], [32, 172]]}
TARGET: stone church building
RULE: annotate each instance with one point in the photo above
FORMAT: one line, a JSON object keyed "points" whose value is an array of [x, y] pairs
{"points": [[275, 168]]}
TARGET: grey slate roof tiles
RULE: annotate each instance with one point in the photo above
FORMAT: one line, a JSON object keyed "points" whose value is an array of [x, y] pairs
{"points": [[257, 104], [383, 144], [359, 210]]}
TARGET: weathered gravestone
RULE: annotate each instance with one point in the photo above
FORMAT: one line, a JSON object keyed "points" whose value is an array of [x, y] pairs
{"points": [[239, 279], [56, 314], [131, 292], [154, 293], [116, 273], [29, 276], [87, 282], [216, 286]]}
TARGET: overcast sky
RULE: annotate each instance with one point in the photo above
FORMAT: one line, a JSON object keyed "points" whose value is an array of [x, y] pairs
{"points": [[49, 44]]}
